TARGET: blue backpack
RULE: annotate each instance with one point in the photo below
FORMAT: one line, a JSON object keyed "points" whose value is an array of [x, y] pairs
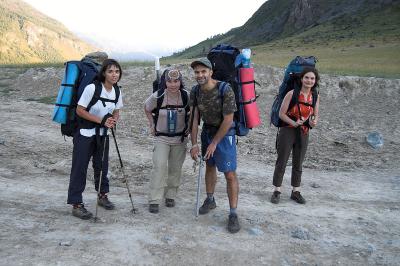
{"points": [[88, 71], [291, 81]]}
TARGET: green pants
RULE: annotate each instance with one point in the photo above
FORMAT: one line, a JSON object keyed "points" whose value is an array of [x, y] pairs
{"points": [[167, 171]]}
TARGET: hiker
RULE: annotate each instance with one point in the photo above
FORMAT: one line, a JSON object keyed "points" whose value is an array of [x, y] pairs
{"points": [[218, 145], [167, 113], [293, 136], [92, 141]]}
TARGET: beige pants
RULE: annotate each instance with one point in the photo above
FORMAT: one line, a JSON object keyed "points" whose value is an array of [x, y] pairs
{"points": [[167, 171]]}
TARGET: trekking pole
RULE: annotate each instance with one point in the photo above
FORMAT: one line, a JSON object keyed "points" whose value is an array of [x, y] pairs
{"points": [[123, 172], [101, 176], [201, 166]]}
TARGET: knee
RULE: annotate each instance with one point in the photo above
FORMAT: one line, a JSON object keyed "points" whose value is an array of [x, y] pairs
{"points": [[231, 177]]}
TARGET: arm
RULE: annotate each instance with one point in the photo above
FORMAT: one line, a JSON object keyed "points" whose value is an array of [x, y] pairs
{"points": [[284, 109], [81, 111], [150, 120], [194, 151], [314, 122]]}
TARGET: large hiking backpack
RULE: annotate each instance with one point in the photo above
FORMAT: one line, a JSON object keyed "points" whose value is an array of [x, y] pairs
{"points": [[161, 86], [291, 81], [224, 60], [86, 74]]}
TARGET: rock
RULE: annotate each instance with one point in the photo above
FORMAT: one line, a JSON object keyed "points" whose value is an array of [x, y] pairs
{"points": [[314, 185], [2, 142], [370, 249], [255, 231], [375, 139], [65, 243], [301, 233]]}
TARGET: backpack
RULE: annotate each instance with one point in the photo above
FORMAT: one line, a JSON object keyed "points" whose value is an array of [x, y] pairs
{"points": [[160, 98], [224, 60], [291, 81], [88, 71]]}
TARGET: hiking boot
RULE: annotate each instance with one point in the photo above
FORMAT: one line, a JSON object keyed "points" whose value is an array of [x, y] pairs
{"points": [[207, 206], [170, 202], [153, 208], [80, 211], [276, 197], [104, 202], [233, 224], [296, 196]]}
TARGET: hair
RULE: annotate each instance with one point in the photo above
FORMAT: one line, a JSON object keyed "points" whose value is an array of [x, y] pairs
{"points": [[313, 70], [106, 65]]}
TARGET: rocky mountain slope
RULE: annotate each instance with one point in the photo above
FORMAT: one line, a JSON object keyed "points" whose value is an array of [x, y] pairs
{"points": [[28, 36]]}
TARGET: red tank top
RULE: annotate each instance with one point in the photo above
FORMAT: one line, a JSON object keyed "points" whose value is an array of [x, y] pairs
{"points": [[305, 110]]}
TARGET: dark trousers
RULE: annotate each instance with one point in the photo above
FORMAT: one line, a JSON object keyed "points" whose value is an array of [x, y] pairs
{"points": [[84, 149], [287, 142]]}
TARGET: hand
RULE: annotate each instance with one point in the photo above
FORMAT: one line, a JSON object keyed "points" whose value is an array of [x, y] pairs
{"points": [[299, 122], [152, 130], [194, 152], [110, 122], [210, 150], [313, 121]]}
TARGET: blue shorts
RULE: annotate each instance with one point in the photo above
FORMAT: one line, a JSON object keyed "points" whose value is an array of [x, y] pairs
{"points": [[224, 155]]}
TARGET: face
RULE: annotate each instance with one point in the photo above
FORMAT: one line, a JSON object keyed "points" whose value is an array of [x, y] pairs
{"points": [[173, 85], [202, 74], [112, 74], [308, 80]]}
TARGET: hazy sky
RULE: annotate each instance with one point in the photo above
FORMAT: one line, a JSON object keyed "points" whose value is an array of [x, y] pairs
{"points": [[148, 25]]}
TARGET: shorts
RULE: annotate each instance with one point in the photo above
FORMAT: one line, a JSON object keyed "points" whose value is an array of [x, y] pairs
{"points": [[224, 155]]}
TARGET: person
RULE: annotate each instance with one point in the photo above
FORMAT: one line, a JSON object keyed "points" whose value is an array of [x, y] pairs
{"points": [[169, 126], [293, 138], [218, 145], [92, 141]]}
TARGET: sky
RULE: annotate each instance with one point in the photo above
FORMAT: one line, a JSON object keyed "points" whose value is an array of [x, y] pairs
{"points": [[158, 27]]}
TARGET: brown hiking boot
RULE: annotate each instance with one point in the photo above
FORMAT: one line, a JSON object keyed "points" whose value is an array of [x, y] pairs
{"points": [[296, 196], [276, 197], [104, 202], [80, 211], [170, 203]]}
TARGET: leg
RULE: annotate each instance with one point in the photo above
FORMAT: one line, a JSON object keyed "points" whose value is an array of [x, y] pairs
{"points": [[286, 138], [232, 187], [101, 163], [82, 151], [299, 153], [159, 172], [175, 161]]}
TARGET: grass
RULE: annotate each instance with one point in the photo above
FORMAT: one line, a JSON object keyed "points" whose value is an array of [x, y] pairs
{"points": [[378, 60]]}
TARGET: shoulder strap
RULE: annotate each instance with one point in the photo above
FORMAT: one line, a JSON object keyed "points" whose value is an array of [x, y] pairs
{"points": [[117, 89], [160, 99], [96, 95]]}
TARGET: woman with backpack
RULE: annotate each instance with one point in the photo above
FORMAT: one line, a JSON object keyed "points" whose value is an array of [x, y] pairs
{"points": [[293, 137], [98, 110], [167, 112]]}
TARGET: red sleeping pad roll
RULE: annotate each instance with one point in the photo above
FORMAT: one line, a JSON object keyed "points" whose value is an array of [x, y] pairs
{"points": [[251, 111]]}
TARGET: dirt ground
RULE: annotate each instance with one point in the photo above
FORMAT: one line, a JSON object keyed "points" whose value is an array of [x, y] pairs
{"points": [[352, 215]]}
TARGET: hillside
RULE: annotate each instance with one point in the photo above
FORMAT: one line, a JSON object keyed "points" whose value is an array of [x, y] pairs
{"points": [[278, 30], [28, 36]]}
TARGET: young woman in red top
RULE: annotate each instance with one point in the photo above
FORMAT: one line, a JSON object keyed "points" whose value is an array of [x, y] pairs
{"points": [[293, 138]]}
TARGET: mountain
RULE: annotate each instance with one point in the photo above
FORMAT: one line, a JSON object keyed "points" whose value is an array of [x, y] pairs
{"points": [[28, 36], [291, 23]]}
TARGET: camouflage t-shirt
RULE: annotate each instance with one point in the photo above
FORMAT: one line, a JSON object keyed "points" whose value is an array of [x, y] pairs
{"points": [[210, 106]]}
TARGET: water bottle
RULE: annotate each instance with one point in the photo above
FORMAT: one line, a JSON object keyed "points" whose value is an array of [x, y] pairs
{"points": [[171, 120], [246, 52]]}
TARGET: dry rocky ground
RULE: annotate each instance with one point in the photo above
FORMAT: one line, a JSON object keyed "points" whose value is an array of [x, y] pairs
{"points": [[351, 216]]}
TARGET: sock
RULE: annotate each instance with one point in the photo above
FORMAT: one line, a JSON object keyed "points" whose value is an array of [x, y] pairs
{"points": [[232, 211], [210, 196]]}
